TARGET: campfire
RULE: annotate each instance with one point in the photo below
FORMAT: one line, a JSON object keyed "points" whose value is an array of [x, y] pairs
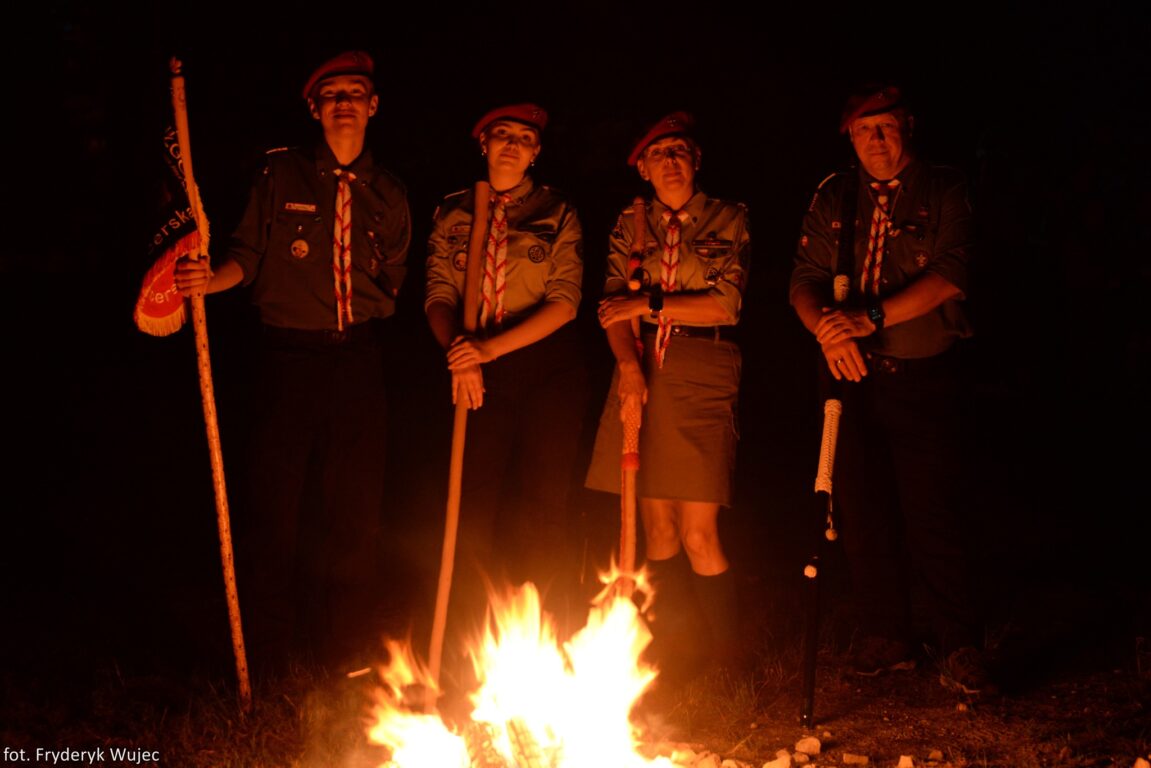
{"points": [[538, 703]]}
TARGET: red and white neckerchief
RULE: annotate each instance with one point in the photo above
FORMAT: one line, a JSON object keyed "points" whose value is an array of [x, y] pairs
{"points": [[342, 248], [885, 192], [668, 276], [495, 265]]}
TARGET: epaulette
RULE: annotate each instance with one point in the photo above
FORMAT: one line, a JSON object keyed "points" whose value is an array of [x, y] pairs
{"points": [[830, 176], [630, 210]]}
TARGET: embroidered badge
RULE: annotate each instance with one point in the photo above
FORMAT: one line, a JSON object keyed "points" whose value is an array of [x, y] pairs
{"points": [[711, 246], [460, 262], [459, 229], [536, 254], [300, 207], [712, 276], [299, 248]]}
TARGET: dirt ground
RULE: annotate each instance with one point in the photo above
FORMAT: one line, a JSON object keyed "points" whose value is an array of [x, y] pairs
{"points": [[1071, 695]]}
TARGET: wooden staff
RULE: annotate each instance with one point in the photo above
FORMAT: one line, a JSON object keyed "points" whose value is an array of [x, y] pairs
{"points": [[477, 242], [824, 473], [207, 393], [632, 413]]}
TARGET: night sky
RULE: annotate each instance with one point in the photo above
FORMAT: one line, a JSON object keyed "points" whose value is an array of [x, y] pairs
{"points": [[109, 530]]}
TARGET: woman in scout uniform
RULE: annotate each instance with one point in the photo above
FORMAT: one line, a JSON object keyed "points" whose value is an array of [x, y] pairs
{"points": [[522, 371], [687, 280]]}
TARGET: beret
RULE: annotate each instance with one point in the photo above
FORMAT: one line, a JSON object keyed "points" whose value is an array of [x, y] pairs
{"points": [[346, 63], [677, 123], [528, 114], [869, 100]]}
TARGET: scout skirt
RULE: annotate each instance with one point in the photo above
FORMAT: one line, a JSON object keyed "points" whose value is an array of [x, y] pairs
{"points": [[689, 432]]}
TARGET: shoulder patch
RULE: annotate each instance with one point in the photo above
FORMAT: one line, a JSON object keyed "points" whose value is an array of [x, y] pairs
{"points": [[827, 179]]}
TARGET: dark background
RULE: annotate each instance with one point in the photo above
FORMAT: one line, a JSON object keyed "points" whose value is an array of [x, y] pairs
{"points": [[110, 548]]}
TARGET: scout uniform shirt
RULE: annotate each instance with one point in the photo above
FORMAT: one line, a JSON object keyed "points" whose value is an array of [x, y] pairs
{"points": [[284, 241], [931, 232], [544, 259], [714, 251]]}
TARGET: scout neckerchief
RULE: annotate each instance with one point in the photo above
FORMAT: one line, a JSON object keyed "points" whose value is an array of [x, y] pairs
{"points": [[342, 247], [668, 276], [885, 192], [495, 265]]}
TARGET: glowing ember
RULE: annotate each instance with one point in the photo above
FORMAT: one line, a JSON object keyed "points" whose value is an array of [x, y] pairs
{"points": [[537, 704]]}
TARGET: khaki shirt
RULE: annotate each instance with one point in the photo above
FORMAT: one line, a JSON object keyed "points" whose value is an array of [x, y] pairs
{"points": [[714, 251], [545, 251]]}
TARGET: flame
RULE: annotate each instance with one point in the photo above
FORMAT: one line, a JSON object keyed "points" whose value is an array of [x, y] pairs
{"points": [[538, 702]]}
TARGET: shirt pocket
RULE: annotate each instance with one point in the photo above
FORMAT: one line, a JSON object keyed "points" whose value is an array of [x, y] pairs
{"points": [[532, 244], [298, 237], [713, 253], [914, 244]]}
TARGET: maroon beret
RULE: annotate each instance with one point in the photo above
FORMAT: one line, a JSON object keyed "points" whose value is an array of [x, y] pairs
{"points": [[528, 114], [677, 123], [347, 63], [870, 100]]}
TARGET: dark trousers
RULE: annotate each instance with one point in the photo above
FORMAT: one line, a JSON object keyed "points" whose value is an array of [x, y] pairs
{"points": [[900, 489], [520, 464], [310, 550]]}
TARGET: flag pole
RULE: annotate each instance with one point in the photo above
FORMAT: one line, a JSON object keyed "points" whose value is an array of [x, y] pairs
{"points": [[208, 396]]}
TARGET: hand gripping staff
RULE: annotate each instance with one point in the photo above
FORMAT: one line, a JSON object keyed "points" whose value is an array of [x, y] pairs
{"points": [[207, 394], [631, 412], [476, 243]]}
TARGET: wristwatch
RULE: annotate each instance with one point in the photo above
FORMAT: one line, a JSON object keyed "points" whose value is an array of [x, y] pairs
{"points": [[875, 315], [655, 303]]}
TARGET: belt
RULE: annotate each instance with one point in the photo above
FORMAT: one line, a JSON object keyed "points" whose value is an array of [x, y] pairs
{"points": [[896, 365], [358, 333], [713, 332]]}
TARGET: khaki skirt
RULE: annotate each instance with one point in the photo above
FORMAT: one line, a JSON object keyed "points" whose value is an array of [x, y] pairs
{"points": [[689, 432]]}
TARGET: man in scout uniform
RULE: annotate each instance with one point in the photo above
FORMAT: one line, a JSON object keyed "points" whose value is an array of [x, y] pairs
{"points": [[895, 235], [322, 247]]}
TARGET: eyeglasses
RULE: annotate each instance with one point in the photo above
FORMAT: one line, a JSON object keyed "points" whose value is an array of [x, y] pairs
{"points": [[672, 152], [338, 96], [867, 130]]}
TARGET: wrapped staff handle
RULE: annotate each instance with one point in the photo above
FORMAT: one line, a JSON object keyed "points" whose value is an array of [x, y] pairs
{"points": [[831, 411]]}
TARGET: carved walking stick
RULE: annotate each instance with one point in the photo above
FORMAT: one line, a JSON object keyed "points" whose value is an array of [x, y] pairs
{"points": [[207, 395]]}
